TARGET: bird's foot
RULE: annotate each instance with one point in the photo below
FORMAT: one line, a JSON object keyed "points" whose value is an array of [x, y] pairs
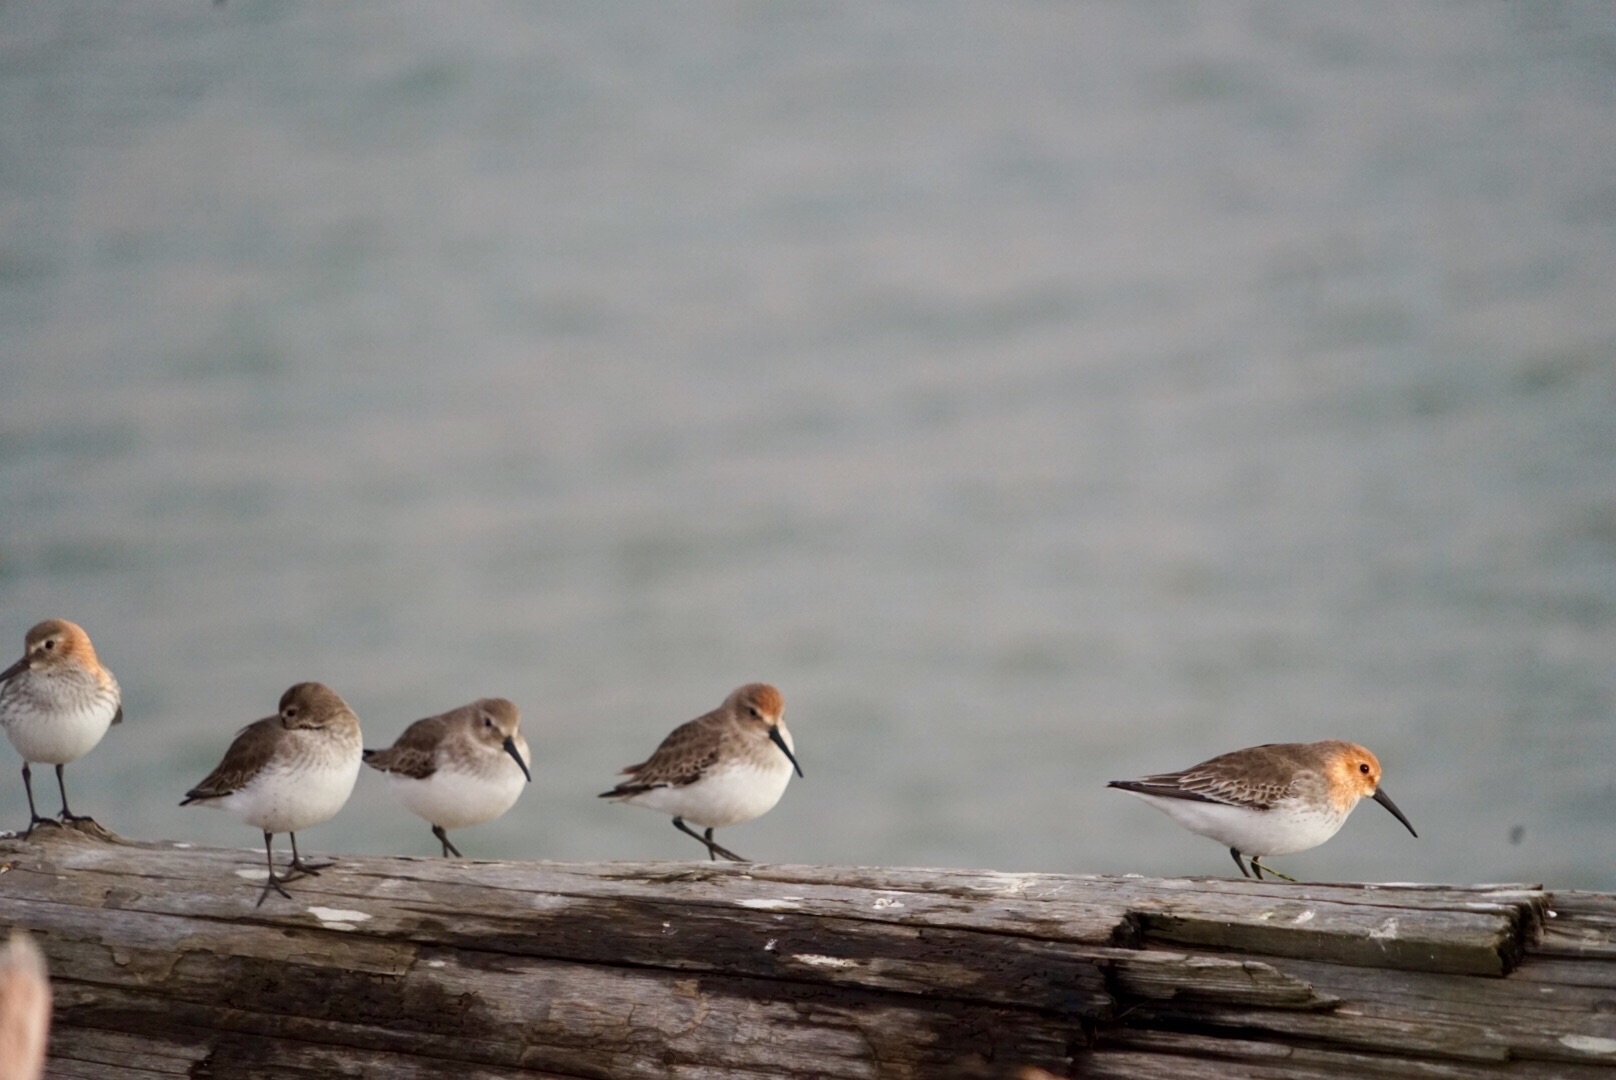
{"points": [[1261, 867], [299, 868], [724, 852], [273, 883], [36, 821]]}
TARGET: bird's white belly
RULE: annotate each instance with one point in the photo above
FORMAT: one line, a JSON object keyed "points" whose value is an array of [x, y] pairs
{"points": [[57, 737], [723, 796], [290, 799], [454, 799], [1283, 830]]}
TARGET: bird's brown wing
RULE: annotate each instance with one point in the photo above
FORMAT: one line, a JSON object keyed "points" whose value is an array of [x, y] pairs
{"points": [[1265, 775], [252, 749], [1201, 787], [414, 754], [688, 751]]}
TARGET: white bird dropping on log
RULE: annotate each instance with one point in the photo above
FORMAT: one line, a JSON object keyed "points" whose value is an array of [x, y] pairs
{"points": [[460, 768], [287, 772], [721, 769], [56, 703], [1275, 799]]}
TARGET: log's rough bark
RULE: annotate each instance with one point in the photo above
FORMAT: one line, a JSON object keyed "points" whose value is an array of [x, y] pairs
{"points": [[405, 968]]}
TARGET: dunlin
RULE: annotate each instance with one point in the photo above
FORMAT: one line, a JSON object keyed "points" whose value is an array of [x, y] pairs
{"points": [[288, 771], [1275, 799], [720, 769], [456, 769], [55, 704]]}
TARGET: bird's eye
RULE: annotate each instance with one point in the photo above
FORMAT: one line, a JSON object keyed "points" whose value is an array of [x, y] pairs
{"points": [[488, 721], [1363, 767], [50, 643]]}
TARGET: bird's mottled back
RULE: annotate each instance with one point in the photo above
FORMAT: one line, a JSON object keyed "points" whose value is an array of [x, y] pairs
{"points": [[688, 751], [251, 751]]}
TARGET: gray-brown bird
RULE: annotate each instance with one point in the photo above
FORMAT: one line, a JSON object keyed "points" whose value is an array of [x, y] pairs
{"points": [[288, 772], [56, 704], [463, 767], [721, 769]]}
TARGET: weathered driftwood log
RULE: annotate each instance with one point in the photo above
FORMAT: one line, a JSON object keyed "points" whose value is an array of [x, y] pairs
{"points": [[383, 967]]}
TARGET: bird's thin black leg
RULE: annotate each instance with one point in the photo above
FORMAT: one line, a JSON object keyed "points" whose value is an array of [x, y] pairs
{"points": [[1259, 867], [722, 850], [1241, 863], [679, 823], [68, 815], [33, 814], [273, 882], [297, 865], [443, 838], [714, 850]]}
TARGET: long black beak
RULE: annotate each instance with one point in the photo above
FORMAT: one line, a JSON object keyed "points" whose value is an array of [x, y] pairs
{"points": [[1385, 800], [780, 741], [510, 748], [15, 669]]}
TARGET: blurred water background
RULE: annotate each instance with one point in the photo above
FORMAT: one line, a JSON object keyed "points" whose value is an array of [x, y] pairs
{"points": [[1037, 393]]}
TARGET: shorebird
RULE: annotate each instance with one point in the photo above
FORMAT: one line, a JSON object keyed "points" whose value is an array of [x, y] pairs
{"points": [[288, 772], [721, 769], [456, 769], [56, 703], [1275, 799]]}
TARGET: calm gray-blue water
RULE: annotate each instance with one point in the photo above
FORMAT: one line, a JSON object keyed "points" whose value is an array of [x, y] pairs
{"points": [[1038, 394]]}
